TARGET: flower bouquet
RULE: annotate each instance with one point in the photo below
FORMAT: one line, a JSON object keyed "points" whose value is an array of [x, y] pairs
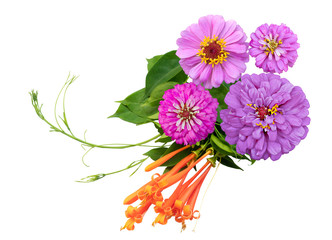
{"points": [[206, 113]]}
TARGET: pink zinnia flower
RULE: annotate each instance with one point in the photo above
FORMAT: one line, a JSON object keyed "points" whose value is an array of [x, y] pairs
{"points": [[213, 51], [274, 47], [188, 113], [266, 117]]}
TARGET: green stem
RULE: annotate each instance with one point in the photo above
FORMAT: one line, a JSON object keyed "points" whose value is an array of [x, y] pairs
{"points": [[56, 103], [92, 145], [130, 166], [37, 107]]}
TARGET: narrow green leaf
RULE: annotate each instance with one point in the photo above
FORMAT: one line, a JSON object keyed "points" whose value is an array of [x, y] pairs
{"points": [[220, 146], [223, 147], [227, 161]]}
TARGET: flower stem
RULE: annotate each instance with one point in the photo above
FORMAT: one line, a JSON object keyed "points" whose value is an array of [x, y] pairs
{"points": [[37, 107]]}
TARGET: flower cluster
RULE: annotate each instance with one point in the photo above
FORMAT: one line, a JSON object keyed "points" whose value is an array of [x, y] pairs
{"points": [[218, 112], [266, 117], [181, 203]]}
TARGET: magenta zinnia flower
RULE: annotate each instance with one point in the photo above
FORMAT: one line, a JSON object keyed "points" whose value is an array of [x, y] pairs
{"points": [[266, 117], [188, 113], [213, 51], [274, 47]]}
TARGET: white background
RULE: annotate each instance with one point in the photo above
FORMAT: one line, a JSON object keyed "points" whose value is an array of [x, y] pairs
{"points": [[106, 43]]}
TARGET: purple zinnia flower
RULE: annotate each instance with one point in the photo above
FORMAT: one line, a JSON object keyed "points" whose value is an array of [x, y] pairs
{"points": [[266, 117], [274, 47], [188, 113], [213, 51]]}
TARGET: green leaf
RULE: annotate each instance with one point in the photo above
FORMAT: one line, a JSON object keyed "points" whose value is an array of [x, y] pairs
{"points": [[164, 73], [134, 106], [143, 108], [158, 127], [180, 78], [126, 114], [224, 148], [220, 93], [155, 153], [152, 61], [238, 155], [134, 97], [147, 108], [164, 139], [220, 146], [227, 161], [167, 169], [165, 69], [154, 116], [159, 91]]}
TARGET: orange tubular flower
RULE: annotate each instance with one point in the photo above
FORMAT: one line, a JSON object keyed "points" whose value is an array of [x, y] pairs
{"points": [[164, 159], [181, 203]]}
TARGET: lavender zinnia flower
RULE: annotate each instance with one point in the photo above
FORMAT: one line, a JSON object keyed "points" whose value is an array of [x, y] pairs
{"points": [[188, 113], [274, 47], [213, 51], [266, 117]]}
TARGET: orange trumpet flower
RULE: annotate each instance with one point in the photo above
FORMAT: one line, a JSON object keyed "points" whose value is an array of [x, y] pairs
{"points": [[181, 203], [164, 159]]}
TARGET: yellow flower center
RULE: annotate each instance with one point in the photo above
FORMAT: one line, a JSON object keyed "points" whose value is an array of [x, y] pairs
{"points": [[271, 46], [262, 112], [212, 51]]}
